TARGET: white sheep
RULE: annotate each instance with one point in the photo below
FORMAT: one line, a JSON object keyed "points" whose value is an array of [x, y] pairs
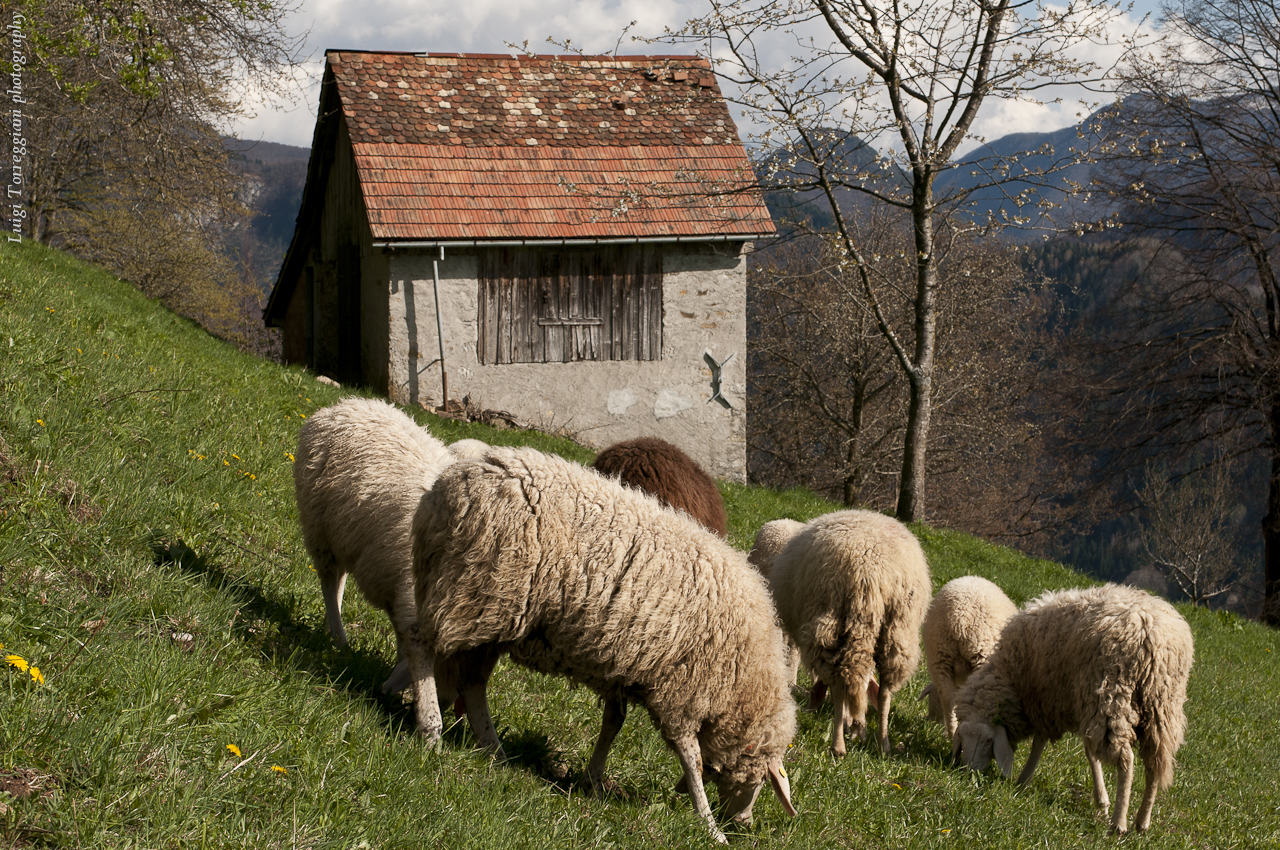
{"points": [[961, 628], [1108, 663], [851, 588], [361, 467], [580, 576], [463, 449], [770, 540]]}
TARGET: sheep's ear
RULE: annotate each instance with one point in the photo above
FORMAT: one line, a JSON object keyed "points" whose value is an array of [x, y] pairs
{"points": [[1004, 752], [781, 785], [924, 695]]}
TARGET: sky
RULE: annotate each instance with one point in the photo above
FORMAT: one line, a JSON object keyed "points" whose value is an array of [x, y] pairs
{"points": [[502, 26]]}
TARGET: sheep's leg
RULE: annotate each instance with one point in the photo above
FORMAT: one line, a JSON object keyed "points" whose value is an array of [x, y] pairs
{"points": [[1143, 821], [1124, 787], [838, 714], [473, 681], [399, 678], [690, 755], [882, 707], [426, 710], [331, 586], [615, 714], [1099, 781], [1033, 759]]}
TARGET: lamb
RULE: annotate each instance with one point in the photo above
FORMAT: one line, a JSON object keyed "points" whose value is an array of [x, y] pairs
{"points": [[960, 630], [662, 469], [361, 467], [579, 576], [851, 589], [1108, 663]]}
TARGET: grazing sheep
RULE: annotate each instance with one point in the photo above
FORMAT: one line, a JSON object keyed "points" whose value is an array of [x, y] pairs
{"points": [[960, 630], [359, 472], [851, 589], [463, 449], [770, 540], [662, 469], [1108, 663], [579, 576]]}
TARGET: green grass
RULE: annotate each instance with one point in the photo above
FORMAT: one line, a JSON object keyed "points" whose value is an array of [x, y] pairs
{"points": [[153, 571]]}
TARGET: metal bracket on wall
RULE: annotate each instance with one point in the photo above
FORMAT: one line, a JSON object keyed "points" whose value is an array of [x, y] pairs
{"points": [[716, 369]]}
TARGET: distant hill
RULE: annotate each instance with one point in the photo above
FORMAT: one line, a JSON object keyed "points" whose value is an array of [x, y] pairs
{"points": [[276, 175], [1050, 150]]}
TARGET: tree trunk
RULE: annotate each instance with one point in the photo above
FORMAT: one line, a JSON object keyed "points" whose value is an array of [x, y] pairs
{"points": [[853, 473], [1271, 534], [911, 486]]}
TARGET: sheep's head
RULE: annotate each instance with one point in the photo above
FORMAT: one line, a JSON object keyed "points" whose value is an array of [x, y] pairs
{"points": [[976, 743], [739, 789]]}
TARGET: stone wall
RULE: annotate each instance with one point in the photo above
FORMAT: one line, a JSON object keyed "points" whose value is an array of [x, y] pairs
{"points": [[598, 403]]}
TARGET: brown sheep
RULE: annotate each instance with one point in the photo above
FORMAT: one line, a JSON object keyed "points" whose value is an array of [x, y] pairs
{"points": [[657, 467]]}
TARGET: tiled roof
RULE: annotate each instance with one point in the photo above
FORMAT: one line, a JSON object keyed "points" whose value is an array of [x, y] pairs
{"points": [[544, 147]]}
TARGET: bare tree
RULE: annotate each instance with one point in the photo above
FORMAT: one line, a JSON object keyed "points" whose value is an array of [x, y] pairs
{"points": [[828, 399], [908, 79], [1191, 529], [1193, 158]]}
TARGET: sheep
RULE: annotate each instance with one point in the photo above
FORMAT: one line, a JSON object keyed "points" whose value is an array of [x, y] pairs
{"points": [[770, 540], [1108, 663], [662, 469], [361, 467], [961, 628], [851, 589], [468, 448], [578, 576]]}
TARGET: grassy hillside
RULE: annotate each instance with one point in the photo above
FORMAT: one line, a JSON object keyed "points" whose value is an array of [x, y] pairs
{"points": [[154, 574]]}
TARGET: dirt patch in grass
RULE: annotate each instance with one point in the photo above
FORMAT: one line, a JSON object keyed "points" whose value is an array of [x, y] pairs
{"points": [[22, 783]]}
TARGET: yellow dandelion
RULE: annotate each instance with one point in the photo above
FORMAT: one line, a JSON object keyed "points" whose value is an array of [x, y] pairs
{"points": [[278, 769], [78, 351], [289, 456], [17, 661], [234, 750], [40, 422], [36, 675], [225, 463], [237, 457], [303, 415], [252, 477]]}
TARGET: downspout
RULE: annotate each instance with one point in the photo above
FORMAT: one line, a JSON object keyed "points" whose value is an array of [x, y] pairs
{"points": [[444, 375]]}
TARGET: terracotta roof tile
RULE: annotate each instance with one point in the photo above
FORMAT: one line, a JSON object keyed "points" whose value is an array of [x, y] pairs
{"points": [[498, 147]]}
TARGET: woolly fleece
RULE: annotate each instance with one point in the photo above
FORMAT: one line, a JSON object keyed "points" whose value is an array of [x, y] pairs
{"points": [[852, 588], [585, 578]]}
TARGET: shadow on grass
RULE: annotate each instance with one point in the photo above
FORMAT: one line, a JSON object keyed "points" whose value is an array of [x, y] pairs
{"points": [[267, 623]]}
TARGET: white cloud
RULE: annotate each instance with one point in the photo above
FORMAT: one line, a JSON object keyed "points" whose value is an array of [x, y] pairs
{"points": [[594, 26]]}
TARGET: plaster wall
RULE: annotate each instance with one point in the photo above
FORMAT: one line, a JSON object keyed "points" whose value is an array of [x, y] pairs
{"points": [[599, 403]]}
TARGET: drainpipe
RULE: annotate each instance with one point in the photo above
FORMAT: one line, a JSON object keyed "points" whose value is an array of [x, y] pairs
{"points": [[444, 375]]}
